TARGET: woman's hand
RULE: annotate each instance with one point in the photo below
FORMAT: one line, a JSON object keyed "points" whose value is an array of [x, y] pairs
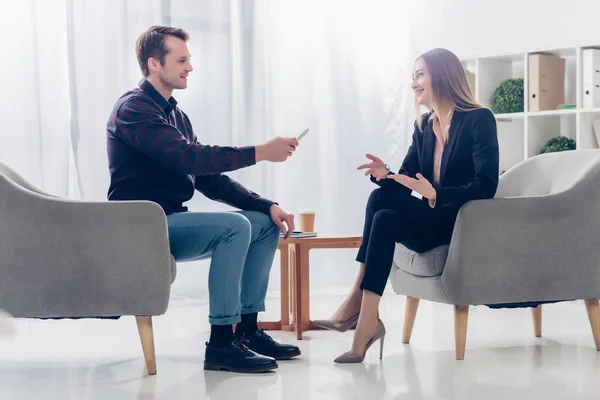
{"points": [[419, 185], [376, 168]]}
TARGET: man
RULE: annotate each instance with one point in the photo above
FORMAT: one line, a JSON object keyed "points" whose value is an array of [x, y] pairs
{"points": [[154, 155]]}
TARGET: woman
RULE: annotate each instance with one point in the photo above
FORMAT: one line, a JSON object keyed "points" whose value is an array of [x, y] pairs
{"points": [[453, 159]]}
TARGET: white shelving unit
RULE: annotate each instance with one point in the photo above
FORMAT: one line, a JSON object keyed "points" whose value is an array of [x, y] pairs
{"points": [[522, 135]]}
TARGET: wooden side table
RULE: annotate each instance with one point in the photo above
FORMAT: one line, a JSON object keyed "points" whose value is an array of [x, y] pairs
{"points": [[284, 321], [295, 287]]}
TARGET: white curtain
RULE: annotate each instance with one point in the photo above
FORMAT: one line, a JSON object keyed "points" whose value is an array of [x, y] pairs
{"points": [[34, 105], [262, 68]]}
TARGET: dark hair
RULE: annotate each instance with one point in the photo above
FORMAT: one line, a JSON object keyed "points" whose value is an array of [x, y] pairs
{"points": [[152, 44]]}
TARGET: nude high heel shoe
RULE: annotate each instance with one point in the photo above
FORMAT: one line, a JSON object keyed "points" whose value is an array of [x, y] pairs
{"points": [[342, 326], [351, 358]]}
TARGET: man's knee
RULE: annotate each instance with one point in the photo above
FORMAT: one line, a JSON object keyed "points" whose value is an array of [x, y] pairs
{"points": [[269, 227], [262, 223], [238, 224]]}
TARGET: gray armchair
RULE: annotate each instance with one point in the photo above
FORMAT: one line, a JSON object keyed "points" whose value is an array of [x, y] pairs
{"points": [[536, 241], [64, 258]]}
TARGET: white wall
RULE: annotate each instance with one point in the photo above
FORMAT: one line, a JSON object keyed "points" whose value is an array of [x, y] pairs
{"points": [[472, 28]]}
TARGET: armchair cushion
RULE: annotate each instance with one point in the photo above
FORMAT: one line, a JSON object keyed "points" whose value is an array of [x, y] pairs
{"points": [[429, 263]]}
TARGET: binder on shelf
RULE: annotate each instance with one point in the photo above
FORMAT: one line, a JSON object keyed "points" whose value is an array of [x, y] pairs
{"points": [[546, 89], [591, 78]]}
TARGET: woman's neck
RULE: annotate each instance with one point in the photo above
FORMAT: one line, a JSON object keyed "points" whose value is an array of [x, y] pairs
{"points": [[443, 110]]}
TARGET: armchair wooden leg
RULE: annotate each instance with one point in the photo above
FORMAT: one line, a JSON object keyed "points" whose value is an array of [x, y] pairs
{"points": [[461, 317], [410, 313], [593, 311], [144, 325], [536, 313]]}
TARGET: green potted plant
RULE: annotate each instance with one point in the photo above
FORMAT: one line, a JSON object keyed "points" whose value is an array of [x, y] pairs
{"points": [[508, 97], [559, 143]]}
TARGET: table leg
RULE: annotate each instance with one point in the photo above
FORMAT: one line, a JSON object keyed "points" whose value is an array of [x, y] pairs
{"points": [[284, 320], [304, 257], [285, 287], [307, 324], [292, 260], [299, 291], [300, 284]]}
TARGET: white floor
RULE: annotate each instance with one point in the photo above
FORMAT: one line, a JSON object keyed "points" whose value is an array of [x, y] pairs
{"points": [[92, 359]]}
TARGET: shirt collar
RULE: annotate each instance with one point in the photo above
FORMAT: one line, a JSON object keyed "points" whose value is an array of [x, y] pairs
{"points": [[148, 88], [434, 117]]}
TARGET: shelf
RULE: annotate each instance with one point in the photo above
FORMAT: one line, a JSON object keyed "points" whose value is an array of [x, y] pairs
{"points": [[568, 52], [511, 136], [521, 135], [548, 113], [505, 57], [540, 130], [587, 133], [552, 112], [589, 110], [509, 116], [491, 72]]}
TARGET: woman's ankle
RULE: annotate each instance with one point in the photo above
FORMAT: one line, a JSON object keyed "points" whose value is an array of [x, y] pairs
{"points": [[349, 308], [363, 334]]}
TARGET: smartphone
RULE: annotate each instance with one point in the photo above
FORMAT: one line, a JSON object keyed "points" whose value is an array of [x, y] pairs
{"points": [[302, 134]]}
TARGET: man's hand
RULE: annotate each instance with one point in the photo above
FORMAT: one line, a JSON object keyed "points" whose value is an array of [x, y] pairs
{"points": [[276, 150], [376, 168], [279, 216]]}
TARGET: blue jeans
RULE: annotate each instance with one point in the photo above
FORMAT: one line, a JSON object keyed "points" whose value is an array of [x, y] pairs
{"points": [[241, 246]]}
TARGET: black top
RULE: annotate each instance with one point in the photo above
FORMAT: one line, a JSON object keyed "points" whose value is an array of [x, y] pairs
{"points": [[470, 160]]}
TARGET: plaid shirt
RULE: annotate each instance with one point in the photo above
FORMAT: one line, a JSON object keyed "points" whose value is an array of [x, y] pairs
{"points": [[153, 154]]}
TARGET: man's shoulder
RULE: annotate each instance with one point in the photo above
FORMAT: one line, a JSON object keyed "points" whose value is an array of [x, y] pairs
{"points": [[133, 98], [126, 106]]}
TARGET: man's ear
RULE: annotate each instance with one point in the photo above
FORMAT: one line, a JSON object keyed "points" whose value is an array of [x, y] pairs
{"points": [[153, 64]]}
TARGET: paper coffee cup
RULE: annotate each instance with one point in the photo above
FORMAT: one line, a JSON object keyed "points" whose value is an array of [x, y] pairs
{"points": [[306, 220]]}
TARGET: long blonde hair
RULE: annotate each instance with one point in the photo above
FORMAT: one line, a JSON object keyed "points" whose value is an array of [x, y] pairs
{"points": [[449, 83]]}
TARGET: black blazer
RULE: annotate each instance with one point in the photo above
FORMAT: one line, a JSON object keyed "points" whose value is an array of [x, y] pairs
{"points": [[470, 160]]}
